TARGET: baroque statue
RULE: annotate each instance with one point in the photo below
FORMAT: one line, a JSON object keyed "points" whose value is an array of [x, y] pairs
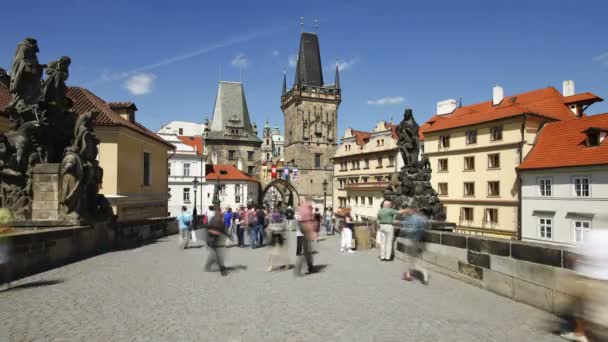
{"points": [[412, 187], [45, 130]]}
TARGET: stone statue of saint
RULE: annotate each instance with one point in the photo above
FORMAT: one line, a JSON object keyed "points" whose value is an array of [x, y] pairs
{"points": [[71, 182], [409, 144], [26, 74], [54, 89], [85, 141]]}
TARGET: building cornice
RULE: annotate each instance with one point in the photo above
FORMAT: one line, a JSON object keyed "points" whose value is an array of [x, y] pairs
{"points": [[490, 147]]}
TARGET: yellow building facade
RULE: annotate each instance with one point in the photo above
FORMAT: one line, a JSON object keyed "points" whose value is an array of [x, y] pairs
{"points": [[474, 150]]}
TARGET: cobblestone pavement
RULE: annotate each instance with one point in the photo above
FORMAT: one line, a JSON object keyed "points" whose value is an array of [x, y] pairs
{"points": [[160, 293]]}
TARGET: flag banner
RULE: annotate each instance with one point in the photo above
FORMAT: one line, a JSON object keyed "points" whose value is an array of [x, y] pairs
{"points": [[273, 172]]}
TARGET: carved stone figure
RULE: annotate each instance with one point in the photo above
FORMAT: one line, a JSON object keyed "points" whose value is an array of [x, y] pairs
{"points": [[413, 188], [71, 182], [26, 74]]}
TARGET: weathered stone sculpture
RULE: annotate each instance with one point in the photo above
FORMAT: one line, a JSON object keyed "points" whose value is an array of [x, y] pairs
{"points": [[44, 131], [412, 187]]}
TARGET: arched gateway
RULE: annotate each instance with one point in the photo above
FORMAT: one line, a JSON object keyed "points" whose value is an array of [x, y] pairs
{"points": [[289, 194]]}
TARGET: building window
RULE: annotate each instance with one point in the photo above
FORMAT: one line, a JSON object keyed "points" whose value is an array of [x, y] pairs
{"points": [[186, 169], [370, 201], [186, 195], [593, 139], [421, 147], [493, 189], [493, 161], [180, 131], [443, 189], [147, 176], [544, 186], [444, 141], [466, 214], [471, 137], [366, 163], [348, 200], [318, 161], [443, 165], [469, 189], [250, 170], [362, 200], [379, 162], [581, 230], [391, 159], [545, 228], [356, 200], [491, 215], [169, 169], [365, 179], [581, 186], [469, 163], [231, 154], [267, 141], [496, 133], [250, 155], [237, 193]]}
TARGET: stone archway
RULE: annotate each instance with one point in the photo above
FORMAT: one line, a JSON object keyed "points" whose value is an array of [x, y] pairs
{"points": [[286, 189]]}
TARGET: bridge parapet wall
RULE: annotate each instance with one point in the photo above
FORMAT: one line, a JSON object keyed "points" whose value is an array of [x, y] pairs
{"points": [[536, 274]]}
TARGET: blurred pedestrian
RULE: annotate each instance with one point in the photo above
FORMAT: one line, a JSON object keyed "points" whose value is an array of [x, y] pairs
{"points": [[250, 221], [307, 226], [317, 219], [228, 221], [289, 216], [238, 223], [215, 231], [413, 225], [259, 226], [346, 240], [184, 220], [277, 227], [386, 217], [328, 219]]}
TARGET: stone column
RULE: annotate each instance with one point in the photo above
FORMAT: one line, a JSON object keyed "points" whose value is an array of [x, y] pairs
{"points": [[45, 188]]}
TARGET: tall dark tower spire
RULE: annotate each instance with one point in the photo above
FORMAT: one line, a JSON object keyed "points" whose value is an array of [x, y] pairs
{"points": [[308, 66], [337, 78], [284, 84]]}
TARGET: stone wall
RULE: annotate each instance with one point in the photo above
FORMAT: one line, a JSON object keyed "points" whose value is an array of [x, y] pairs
{"points": [[28, 252], [45, 202], [536, 274]]}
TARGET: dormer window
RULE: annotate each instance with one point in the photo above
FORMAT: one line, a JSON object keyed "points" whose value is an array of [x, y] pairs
{"points": [[595, 136]]}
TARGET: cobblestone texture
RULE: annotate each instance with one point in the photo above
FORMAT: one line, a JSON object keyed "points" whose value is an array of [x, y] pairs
{"points": [[160, 293]]}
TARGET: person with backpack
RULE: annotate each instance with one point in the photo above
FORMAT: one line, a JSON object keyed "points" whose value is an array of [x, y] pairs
{"points": [[184, 220], [289, 216], [413, 225]]}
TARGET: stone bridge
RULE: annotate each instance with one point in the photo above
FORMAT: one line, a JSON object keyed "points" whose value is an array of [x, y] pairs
{"points": [[158, 292]]}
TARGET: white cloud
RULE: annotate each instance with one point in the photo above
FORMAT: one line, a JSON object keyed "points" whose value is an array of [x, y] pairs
{"points": [[240, 61], [389, 100], [344, 65], [602, 58], [275, 53], [140, 84], [293, 60]]}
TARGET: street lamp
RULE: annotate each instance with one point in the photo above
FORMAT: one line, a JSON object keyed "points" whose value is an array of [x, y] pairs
{"points": [[324, 194], [195, 184]]}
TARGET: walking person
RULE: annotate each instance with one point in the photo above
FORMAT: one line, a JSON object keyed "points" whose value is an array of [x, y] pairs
{"points": [[238, 223], [228, 222], [215, 230], [328, 217], [250, 221], [184, 220], [386, 217], [259, 226], [346, 240], [413, 226], [306, 223], [277, 227], [289, 216]]}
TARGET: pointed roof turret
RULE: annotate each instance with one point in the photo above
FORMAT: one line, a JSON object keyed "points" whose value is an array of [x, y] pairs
{"points": [[337, 78], [230, 111], [284, 84], [308, 66]]}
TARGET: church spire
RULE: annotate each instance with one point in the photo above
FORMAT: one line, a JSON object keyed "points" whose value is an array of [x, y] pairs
{"points": [[284, 84], [337, 79]]}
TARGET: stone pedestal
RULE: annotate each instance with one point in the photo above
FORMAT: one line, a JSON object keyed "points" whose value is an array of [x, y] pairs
{"points": [[45, 188]]}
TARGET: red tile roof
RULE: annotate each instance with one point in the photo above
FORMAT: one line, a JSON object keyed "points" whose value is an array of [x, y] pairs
{"points": [[84, 101], [545, 102], [562, 144], [5, 98], [122, 105], [361, 137], [586, 98], [226, 173], [195, 141]]}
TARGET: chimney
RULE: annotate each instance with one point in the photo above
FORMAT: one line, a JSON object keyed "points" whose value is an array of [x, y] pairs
{"points": [[498, 94], [446, 107], [126, 110], [568, 88]]}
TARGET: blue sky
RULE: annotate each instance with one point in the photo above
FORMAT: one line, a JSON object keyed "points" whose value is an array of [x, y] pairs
{"points": [[165, 55]]}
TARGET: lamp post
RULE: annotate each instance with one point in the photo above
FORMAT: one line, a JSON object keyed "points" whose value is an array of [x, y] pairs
{"points": [[195, 184], [324, 194]]}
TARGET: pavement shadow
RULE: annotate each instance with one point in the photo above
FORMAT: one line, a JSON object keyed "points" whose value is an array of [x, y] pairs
{"points": [[33, 284]]}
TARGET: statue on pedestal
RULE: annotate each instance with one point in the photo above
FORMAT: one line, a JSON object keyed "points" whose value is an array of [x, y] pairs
{"points": [[412, 188]]}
